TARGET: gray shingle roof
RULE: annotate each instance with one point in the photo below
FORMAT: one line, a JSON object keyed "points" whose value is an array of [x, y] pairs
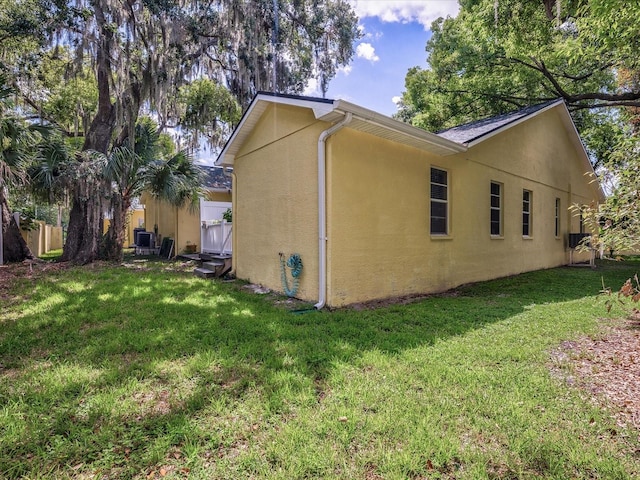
{"points": [[473, 131], [215, 179]]}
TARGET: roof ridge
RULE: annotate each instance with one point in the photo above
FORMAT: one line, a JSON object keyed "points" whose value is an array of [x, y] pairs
{"points": [[294, 96]]}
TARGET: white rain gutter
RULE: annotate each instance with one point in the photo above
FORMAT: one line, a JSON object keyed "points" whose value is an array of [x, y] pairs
{"points": [[322, 208]]}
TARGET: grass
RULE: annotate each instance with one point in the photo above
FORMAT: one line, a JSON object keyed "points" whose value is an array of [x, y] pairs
{"points": [[114, 372]]}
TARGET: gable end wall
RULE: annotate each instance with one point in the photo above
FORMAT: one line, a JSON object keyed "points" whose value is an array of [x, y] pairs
{"points": [[276, 199]]}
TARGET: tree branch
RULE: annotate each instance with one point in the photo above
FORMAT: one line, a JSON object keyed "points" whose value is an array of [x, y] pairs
{"points": [[42, 115], [614, 99]]}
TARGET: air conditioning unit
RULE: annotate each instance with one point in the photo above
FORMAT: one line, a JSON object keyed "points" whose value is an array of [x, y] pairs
{"points": [[146, 240], [136, 231], [575, 239]]}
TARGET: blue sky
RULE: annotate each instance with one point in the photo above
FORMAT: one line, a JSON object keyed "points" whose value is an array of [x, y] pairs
{"points": [[395, 33]]}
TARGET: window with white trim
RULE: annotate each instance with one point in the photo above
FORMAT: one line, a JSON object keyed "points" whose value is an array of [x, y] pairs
{"points": [[439, 201], [526, 213], [496, 209], [557, 217]]}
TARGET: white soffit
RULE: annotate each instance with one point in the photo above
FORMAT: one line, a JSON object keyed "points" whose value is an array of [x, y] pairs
{"points": [[381, 126]]}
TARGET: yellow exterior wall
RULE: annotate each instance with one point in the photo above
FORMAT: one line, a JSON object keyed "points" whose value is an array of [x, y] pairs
{"points": [[135, 219], [214, 196], [380, 243], [275, 199], [378, 206], [189, 228], [180, 224]]}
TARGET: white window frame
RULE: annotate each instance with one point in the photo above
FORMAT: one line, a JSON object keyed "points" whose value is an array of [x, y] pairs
{"points": [[527, 213], [494, 208], [444, 201]]}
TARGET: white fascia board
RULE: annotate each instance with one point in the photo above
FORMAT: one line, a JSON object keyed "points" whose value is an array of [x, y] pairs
{"points": [[225, 160], [258, 105], [330, 112], [319, 108], [397, 126]]}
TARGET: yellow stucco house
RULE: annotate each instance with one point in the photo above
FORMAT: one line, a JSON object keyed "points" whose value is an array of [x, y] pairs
{"points": [[184, 224], [377, 208]]}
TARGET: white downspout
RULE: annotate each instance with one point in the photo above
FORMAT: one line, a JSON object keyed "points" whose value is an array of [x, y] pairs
{"points": [[322, 209], [230, 173]]}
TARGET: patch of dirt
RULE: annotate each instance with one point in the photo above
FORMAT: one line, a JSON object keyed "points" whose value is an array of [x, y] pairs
{"points": [[31, 269], [399, 300], [607, 367]]}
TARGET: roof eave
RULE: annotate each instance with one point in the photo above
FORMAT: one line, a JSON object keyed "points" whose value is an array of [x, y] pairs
{"points": [[331, 112], [429, 141]]}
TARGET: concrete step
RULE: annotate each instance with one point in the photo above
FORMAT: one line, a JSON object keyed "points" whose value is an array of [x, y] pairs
{"points": [[204, 272], [214, 256], [213, 264]]}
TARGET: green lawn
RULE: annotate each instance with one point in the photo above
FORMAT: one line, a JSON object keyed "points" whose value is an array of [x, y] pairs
{"points": [[129, 372]]}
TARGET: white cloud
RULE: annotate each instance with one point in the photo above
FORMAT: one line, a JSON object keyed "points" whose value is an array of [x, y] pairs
{"points": [[346, 70], [366, 51], [405, 11], [397, 99], [312, 88]]}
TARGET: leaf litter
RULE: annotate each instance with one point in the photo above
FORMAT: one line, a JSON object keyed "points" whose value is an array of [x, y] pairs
{"points": [[607, 367]]}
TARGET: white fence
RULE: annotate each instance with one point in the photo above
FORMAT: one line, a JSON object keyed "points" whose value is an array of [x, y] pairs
{"points": [[215, 233]]}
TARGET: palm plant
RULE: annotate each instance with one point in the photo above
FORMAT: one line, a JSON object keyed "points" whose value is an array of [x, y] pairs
{"points": [[131, 172], [17, 148]]}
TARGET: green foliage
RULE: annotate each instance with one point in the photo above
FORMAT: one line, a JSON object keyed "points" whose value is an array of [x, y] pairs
{"points": [[21, 143], [71, 100], [164, 46], [166, 145], [615, 223], [210, 109], [23, 201], [133, 171], [94, 67], [498, 56]]}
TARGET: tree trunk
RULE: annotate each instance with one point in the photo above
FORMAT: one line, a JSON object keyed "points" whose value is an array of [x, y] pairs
{"points": [[114, 240], [15, 249], [85, 218], [85, 229]]}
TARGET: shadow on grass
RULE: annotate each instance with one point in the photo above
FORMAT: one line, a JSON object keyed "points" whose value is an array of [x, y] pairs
{"points": [[78, 356]]}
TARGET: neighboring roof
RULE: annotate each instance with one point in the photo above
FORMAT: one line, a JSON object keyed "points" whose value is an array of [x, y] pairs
{"points": [[215, 178], [332, 111], [479, 130]]}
